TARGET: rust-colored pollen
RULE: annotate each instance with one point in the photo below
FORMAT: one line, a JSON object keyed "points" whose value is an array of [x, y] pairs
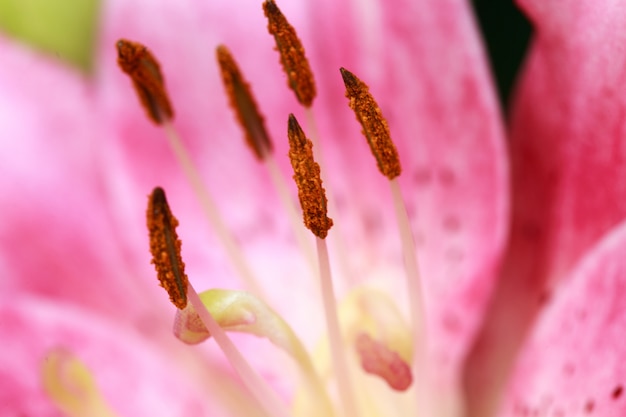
{"points": [[143, 68], [292, 57], [375, 126], [165, 248], [243, 103], [307, 175]]}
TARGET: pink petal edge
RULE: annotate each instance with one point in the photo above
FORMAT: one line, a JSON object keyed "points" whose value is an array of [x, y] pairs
{"points": [[574, 362], [568, 172]]}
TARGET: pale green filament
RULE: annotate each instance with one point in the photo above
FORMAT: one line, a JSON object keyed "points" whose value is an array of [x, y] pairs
{"points": [[239, 311]]}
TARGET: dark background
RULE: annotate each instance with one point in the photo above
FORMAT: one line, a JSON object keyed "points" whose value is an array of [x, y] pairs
{"points": [[506, 32]]}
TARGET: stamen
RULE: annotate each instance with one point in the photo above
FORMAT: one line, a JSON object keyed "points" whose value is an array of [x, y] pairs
{"points": [[70, 385], [378, 359], [267, 398], [292, 57], [165, 248], [307, 176], [144, 70], [280, 183], [244, 105], [375, 126], [376, 131], [338, 238], [313, 202], [164, 243], [239, 311], [335, 338], [211, 211]]}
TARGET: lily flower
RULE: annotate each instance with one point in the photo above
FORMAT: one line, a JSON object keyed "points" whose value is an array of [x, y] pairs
{"points": [[531, 267]]}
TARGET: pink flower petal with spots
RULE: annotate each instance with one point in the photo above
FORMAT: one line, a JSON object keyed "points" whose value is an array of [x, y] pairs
{"points": [[568, 172], [425, 66], [574, 362]]}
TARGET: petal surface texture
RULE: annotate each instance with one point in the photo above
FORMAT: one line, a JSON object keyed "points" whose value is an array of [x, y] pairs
{"points": [[568, 171], [574, 363], [133, 377], [431, 83]]}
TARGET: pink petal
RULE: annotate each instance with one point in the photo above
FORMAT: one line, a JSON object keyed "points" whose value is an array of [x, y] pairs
{"points": [[569, 182], [58, 238], [574, 362], [425, 65], [134, 377]]}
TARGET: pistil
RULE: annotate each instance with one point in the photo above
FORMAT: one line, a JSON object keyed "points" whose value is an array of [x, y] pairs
{"points": [[378, 359]]}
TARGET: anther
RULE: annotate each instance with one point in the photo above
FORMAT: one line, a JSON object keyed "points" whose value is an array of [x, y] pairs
{"points": [[307, 176], [145, 72], [243, 103], [292, 57], [165, 248], [374, 125]]}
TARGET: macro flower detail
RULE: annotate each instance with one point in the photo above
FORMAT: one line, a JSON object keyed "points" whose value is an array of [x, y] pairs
{"points": [[375, 127], [522, 315], [376, 356], [243, 103], [292, 56]]}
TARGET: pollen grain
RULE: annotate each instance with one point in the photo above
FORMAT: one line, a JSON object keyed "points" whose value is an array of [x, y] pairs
{"points": [[142, 67], [375, 127], [292, 56], [307, 176], [165, 248], [243, 103]]}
